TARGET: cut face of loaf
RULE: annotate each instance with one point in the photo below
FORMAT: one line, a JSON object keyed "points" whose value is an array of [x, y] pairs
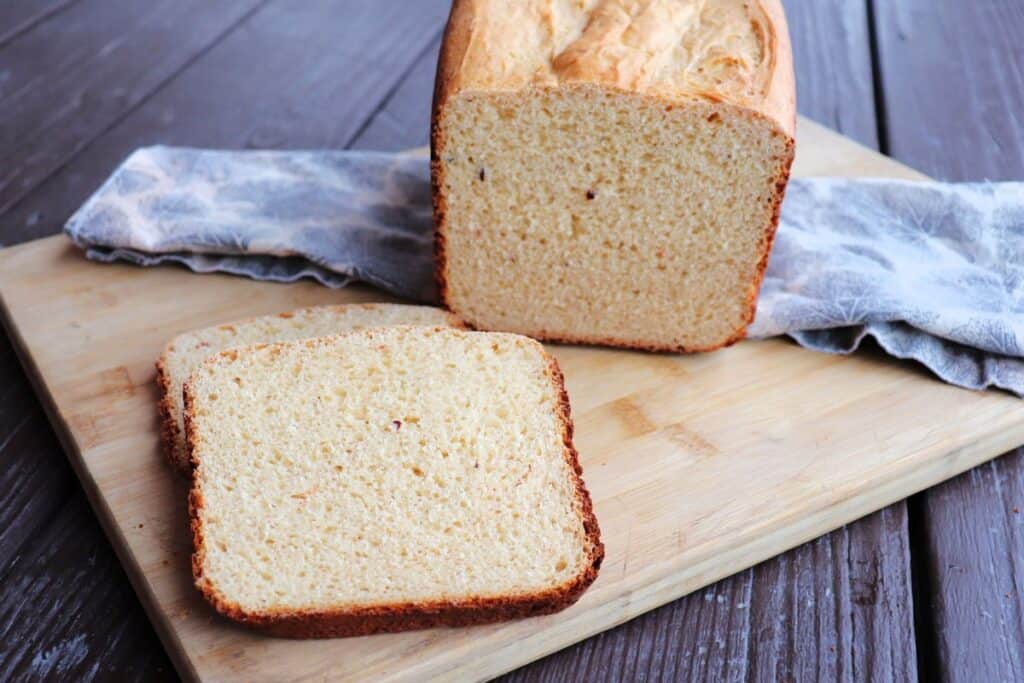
{"points": [[187, 351], [384, 480], [625, 192]]}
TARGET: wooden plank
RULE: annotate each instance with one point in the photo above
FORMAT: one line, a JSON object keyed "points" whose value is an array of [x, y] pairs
{"points": [[34, 479], [974, 559], [667, 444], [297, 75], [94, 632], [21, 16], [953, 85], [832, 58], [74, 75], [403, 121]]}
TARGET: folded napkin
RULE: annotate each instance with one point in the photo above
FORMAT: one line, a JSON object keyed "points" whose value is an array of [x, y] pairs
{"points": [[934, 272]]}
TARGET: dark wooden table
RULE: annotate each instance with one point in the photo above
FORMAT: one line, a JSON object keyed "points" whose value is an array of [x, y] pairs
{"points": [[927, 588]]}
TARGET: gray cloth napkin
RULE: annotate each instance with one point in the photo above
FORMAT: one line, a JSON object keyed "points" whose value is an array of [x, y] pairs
{"points": [[932, 271]]}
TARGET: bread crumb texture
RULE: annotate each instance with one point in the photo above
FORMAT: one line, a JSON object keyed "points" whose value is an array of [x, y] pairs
{"points": [[419, 471], [610, 171], [186, 351]]}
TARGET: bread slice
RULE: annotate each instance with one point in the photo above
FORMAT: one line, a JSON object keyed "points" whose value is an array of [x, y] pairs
{"points": [[186, 351], [386, 480], [611, 172]]}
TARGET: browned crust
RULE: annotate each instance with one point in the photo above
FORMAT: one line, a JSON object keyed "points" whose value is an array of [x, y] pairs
{"points": [[778, 107], [453, 49], [169, 432], [780, 97], [596, 552], [405, 616], [781, 181], [168, 425]]}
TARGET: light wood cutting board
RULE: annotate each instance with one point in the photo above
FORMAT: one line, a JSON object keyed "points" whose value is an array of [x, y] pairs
{"points": [[699, 465]]}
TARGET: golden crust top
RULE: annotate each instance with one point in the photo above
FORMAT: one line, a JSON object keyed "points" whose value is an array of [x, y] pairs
{"points": [[734, 51]]}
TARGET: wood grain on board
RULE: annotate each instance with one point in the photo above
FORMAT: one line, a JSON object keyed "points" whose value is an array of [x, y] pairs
{"points": [[953, 86], [668, 444]]}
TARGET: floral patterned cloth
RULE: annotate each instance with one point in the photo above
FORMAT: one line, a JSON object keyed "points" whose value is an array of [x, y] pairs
{"points": [[932, 271]]}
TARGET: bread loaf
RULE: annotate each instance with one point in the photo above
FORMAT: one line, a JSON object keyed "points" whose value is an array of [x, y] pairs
{"points": [[186, 351], [611, 171], [384, 480]]}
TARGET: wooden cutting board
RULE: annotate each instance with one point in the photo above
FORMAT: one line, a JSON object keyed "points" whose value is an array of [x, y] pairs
{"points": [[699, 465]]}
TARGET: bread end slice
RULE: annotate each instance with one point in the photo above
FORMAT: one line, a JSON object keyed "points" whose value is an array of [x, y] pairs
{"points": [[347, 617], [186, 351]]}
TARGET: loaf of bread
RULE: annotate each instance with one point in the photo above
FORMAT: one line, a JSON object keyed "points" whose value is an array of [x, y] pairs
{"points": [[611, 171], [185, 352], [385, 480]]}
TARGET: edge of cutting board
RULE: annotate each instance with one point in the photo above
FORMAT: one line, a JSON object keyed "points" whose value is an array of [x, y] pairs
{"points": [[662, 582]]}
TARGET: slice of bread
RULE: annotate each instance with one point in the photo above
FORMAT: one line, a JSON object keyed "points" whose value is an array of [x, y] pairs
{"points": [[186, 351], [611, 172], [385, 480]]}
